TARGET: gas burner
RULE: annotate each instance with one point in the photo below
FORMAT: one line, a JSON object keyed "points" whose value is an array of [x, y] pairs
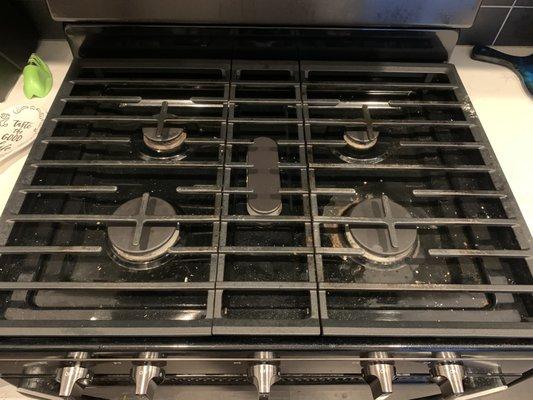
{"points": [[372, 155], [147, 153], [142, 246], [164, 139], [384, 247], [362, 146], [361, 140]]}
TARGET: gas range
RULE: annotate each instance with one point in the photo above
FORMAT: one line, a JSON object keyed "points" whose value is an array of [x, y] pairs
{"points": [[233, 221]]}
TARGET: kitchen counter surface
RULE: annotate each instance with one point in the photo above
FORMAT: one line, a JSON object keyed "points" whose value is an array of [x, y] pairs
{"points": [[57, 55], [506, 112], [502, 104]]}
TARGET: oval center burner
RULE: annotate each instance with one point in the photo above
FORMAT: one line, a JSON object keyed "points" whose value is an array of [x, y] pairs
{"points": [[141, 244], [385, 244]]}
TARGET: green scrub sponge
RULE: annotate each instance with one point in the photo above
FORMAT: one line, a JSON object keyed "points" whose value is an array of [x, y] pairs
{"points": [[37, 77]]}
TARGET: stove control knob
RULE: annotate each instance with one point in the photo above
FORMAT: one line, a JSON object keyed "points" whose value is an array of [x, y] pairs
{"points": [[264, 373], [448, 374], [147, 375], [75, 376], [379, 374]]}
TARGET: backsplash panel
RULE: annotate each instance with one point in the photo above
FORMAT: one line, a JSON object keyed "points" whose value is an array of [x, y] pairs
{"points": [[502, 22]]}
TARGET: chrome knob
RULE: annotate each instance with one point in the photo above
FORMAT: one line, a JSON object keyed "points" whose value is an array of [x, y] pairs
{"points": [[448, 374], [379, 374], [264, 374], [147, 375], [75, 376]]}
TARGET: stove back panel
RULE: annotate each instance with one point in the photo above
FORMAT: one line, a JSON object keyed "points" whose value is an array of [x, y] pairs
{"points": [[256, 43], [345, 13]]}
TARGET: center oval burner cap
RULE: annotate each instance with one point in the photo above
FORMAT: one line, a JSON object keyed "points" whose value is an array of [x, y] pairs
{"points": [[387, 243], [263, 178], [142, 242]]}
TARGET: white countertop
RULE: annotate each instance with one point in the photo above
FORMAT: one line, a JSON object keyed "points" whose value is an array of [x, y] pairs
{"points": [[506, 112], [57, 55], [502, 104]]}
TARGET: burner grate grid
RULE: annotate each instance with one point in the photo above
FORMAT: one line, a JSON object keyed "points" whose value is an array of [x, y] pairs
{"points": [[289, 274], [266, 281], [426, 158]]}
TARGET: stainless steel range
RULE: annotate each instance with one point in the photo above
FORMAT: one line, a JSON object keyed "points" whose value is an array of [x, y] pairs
{"points": [[299, 209]]}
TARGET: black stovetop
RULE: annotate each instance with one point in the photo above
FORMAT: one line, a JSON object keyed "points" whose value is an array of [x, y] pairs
{"points": [[411, 231]]}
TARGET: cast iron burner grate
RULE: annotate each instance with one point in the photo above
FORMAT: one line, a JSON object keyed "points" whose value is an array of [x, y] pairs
{"points": [[386, 215]]}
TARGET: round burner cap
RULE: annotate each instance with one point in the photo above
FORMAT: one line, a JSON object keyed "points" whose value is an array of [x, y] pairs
{"points": [[170, 140], [386, 243], [141, 242], [361, 139], [161, 138]]}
